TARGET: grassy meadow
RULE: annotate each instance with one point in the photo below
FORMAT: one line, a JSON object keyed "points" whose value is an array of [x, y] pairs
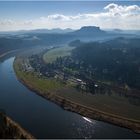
{"points": [[52, 54]]}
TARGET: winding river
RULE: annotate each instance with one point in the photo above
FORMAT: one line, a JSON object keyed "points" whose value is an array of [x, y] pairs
{"points": [[45, 119]]}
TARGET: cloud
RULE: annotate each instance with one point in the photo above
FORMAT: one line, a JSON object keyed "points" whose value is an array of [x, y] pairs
{"points": [[28, 22], [6, 22], [58, 17], [115, 9], [112, 16]]}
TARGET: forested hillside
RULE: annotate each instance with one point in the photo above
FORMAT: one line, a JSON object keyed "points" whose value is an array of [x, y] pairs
{"points": [[117, 60]]}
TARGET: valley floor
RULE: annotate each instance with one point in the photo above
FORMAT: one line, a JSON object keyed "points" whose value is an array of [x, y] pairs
{"points": [[113, 109]]}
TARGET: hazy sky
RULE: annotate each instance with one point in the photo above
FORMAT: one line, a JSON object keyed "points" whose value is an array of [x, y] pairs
{"points": [[72, 14]]}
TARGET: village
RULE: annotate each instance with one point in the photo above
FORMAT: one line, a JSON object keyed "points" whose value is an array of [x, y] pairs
{"points": [[59, 70], [70, 72]]}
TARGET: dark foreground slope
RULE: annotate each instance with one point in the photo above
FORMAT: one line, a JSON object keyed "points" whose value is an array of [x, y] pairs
{"points": [[11, 130]]}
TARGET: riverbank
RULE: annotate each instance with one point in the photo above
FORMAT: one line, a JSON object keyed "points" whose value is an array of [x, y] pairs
{"points": [[86, 111], [8, 52], [12, 130]]}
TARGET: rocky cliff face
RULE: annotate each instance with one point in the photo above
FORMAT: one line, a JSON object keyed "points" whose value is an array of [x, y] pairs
{"points": [[11, 130]]}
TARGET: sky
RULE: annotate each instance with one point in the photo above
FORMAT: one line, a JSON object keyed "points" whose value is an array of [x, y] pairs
{"points": [[26, 15]]}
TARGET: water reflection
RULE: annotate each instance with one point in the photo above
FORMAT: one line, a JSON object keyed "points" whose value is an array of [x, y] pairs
{"points": [[88, 120]]}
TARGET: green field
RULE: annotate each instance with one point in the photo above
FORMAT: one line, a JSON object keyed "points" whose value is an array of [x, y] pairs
{"points": [[113, 104], [34, 80], [52, 54]]}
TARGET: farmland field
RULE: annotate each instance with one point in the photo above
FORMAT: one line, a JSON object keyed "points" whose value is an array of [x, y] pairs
{"points": [[52, 54]]}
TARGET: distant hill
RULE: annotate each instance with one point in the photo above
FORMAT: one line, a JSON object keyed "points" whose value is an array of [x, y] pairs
{"points": [[91, 33], [118, 31], [123, 42], [55, 30], [89, 30], [127, 32], [57, 36]]}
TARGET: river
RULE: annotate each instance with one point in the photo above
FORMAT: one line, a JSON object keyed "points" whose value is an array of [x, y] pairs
{"points": [[44, 119]]}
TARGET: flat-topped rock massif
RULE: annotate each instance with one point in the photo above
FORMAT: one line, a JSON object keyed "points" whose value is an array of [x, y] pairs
{"points": [[89, 30]]}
